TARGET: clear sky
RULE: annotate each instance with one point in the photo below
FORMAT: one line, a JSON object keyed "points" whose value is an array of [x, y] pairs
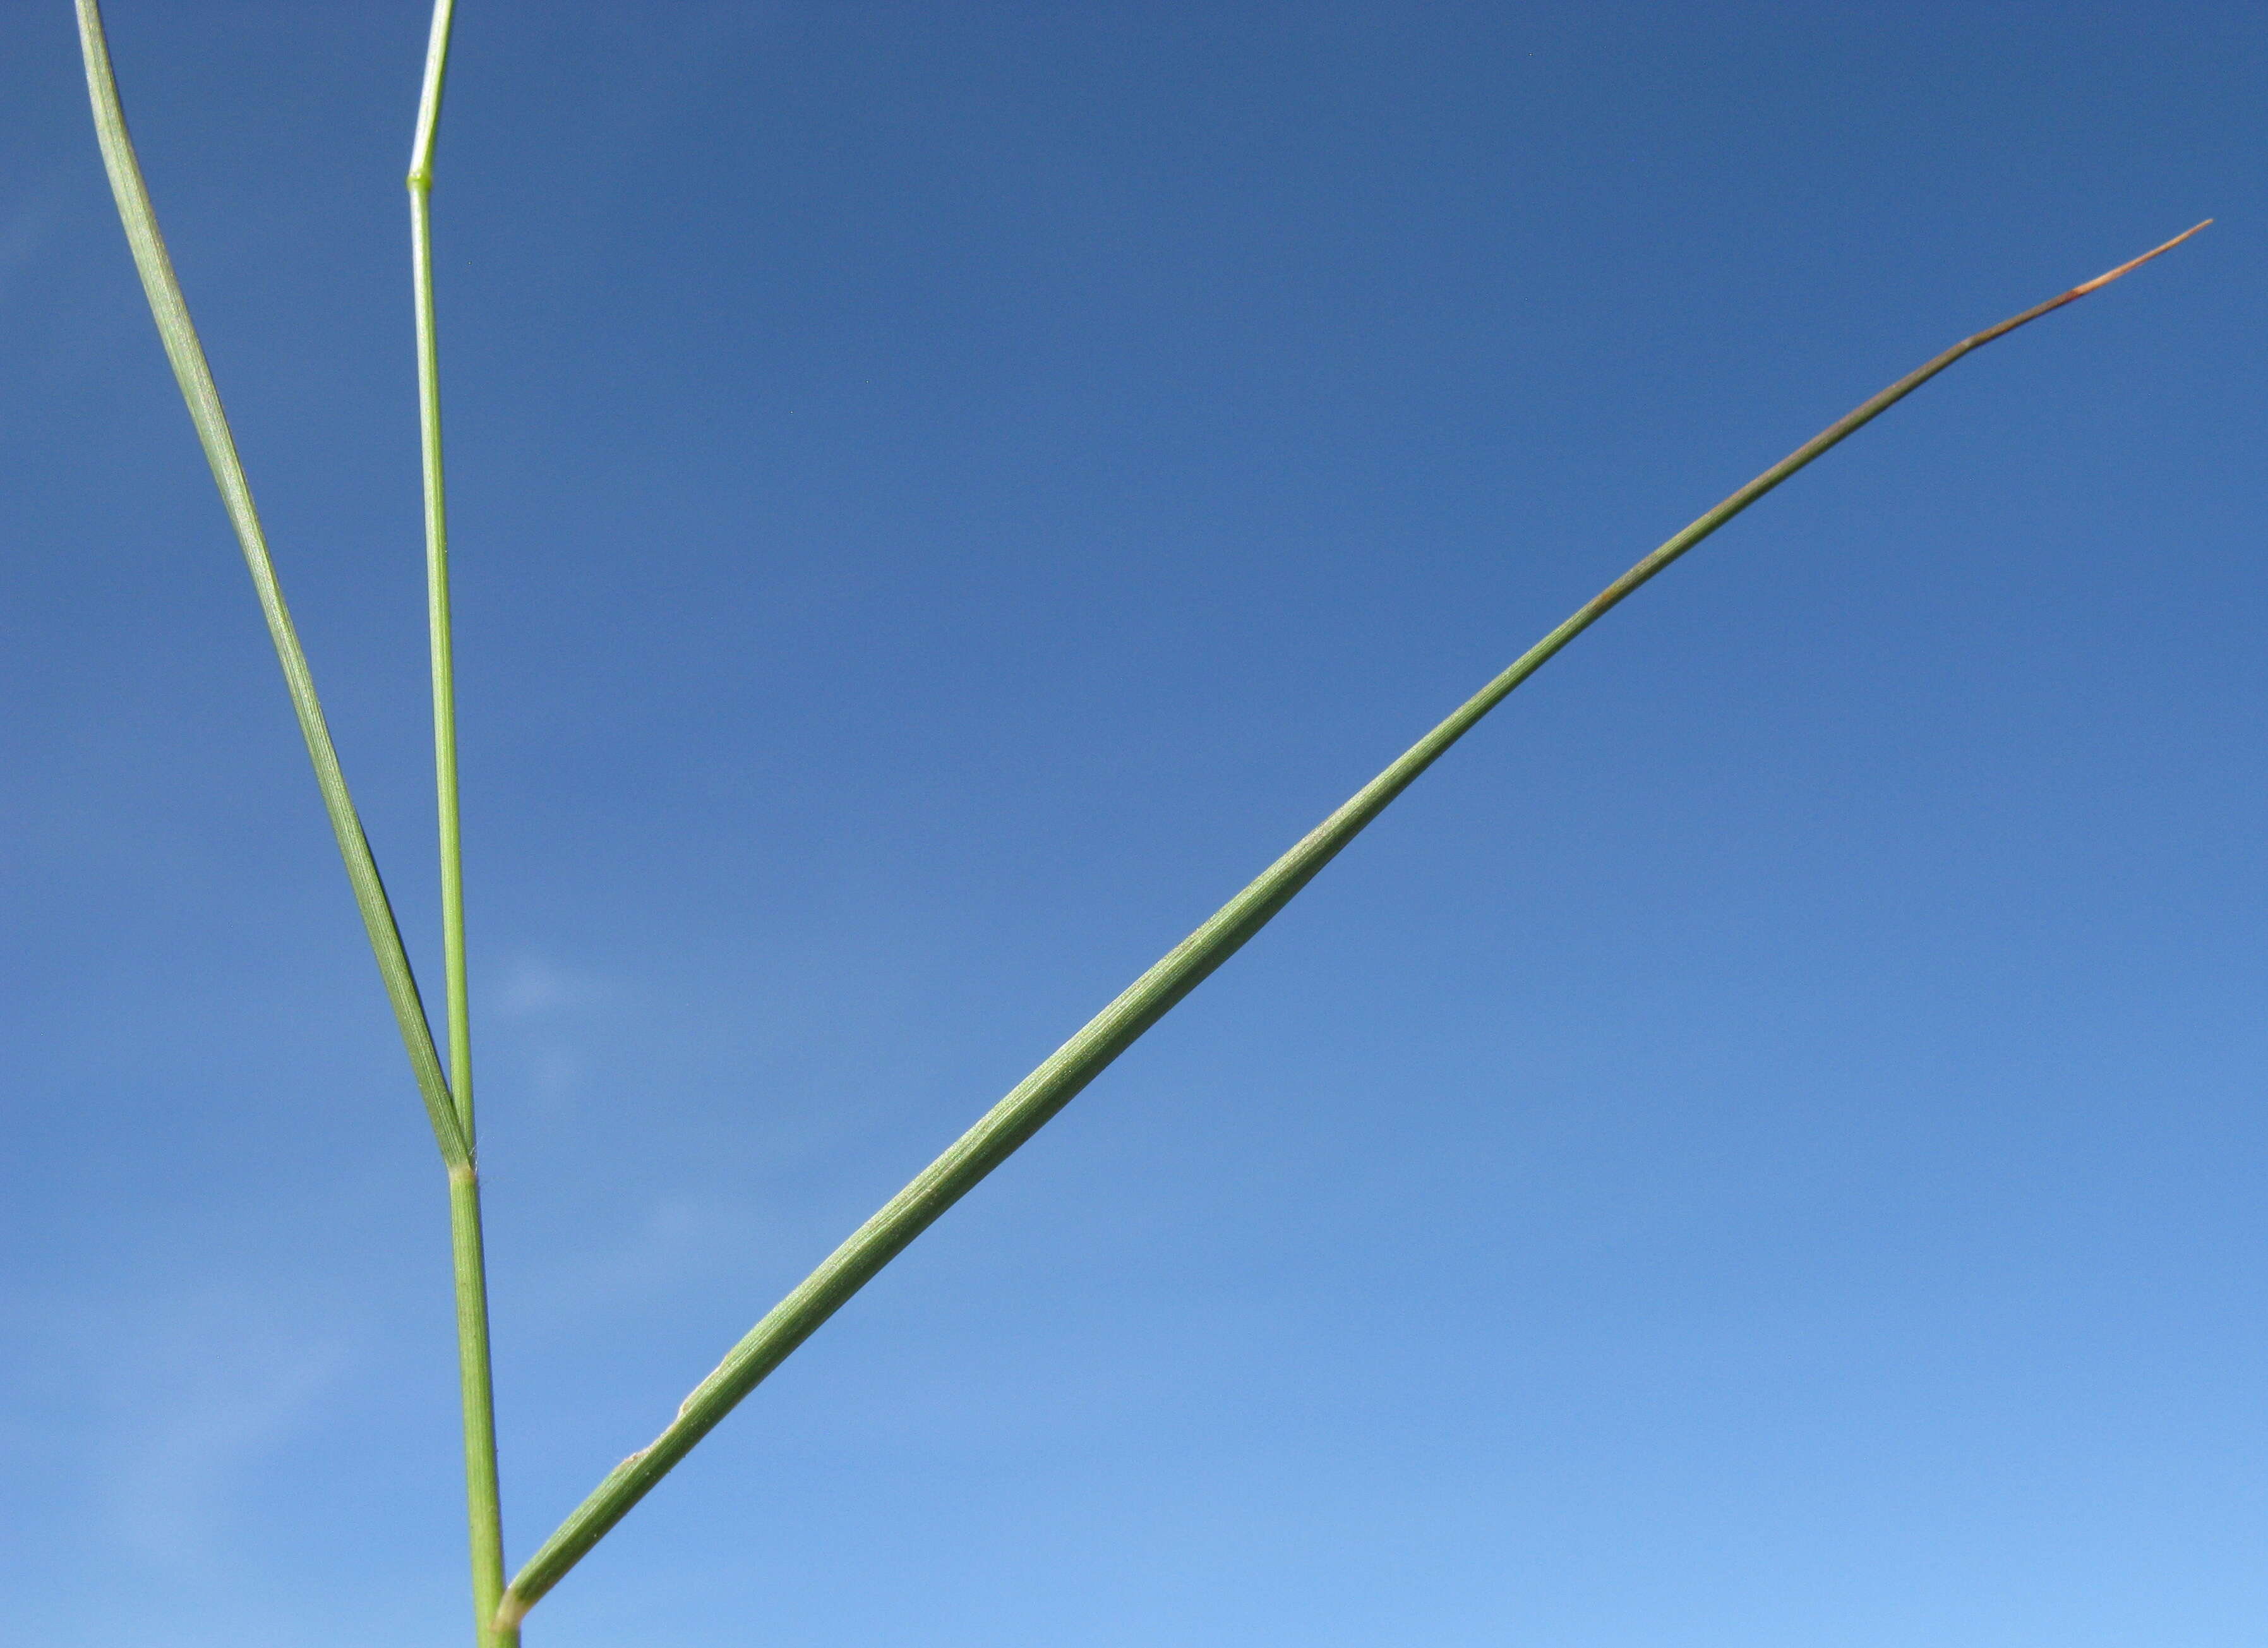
{"points": [[1762, 1147]]}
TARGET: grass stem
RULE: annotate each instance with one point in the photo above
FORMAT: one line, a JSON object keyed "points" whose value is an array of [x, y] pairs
{"points": [[1047, 1090], [436, 583], [448, 1102], [483, 1502]]}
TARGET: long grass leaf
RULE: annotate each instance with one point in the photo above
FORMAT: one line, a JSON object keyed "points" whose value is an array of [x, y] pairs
{"points": [[1047, 1090], [187, 356]]}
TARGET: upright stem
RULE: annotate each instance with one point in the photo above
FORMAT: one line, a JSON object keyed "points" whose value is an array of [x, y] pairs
{"points": [[484, 1507], [437, 586]]}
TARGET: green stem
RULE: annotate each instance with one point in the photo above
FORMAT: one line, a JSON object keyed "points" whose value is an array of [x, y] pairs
{"points": [[1047, 1090], [484, 1505], [175, 330], [483, 1501], [450, 1112], [437, 586]]}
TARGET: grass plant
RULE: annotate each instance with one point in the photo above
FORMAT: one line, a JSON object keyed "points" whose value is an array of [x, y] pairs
{"points": [[499, 1609]]}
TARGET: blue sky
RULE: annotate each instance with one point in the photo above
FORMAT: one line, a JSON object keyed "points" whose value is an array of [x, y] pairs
{"points": [[1760, 1146]]}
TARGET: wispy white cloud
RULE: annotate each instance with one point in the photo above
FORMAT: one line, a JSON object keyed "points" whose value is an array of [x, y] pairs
{"points": [[201, 1390], [28, 222], [537, 986], [549, 1013], [677, 1238]]}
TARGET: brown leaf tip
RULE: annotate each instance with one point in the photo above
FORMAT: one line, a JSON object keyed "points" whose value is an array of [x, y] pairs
{"points": [[2101, 281]]}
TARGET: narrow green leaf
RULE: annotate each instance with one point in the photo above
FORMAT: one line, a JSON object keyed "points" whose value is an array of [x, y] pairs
{"points": [[1047, 1090], [187, 356]]}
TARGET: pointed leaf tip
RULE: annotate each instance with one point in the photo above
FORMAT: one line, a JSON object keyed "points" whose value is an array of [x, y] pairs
{"points": [[2101, 281]]}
